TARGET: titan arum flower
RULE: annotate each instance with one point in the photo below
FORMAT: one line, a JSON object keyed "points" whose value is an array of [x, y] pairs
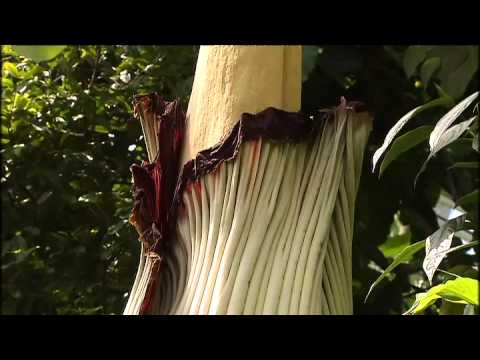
{"points": [[259, 217]]}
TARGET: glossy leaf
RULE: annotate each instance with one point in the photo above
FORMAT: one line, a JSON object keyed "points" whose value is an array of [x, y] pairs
{"points": [[461, 290], [444, 139], [450, 135], [422, 302], [437, 244], [443, 101], [444, 123], [405, 143]]}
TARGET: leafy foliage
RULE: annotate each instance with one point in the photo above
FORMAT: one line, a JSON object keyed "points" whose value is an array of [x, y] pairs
{"points": [[405, 143], [453, 66], [68, 140], [39, 53], [438, 244], [460, 291]]}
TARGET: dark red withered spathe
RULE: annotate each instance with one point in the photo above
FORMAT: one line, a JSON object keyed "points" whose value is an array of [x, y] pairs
{"points": [[154, 184], [158, 188]]}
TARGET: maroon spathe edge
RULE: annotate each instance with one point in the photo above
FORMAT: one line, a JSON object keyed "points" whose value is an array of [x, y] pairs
{"points": [[154, 184], [157, 199]]}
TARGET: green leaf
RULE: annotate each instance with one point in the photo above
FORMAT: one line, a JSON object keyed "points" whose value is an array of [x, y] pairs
{"points": [[405, 143], [39, 53], [9, 68], [443, 93], [459, 65], [21, 255], [471, 198], [395, 244], [429, 67], [21, 101], [465, 165], [442, 135], [475, 143], [101, 129], [461, 290], [414, 56], [7, 83], [443, 101], [404, 256], [422, 302], [463, 270], [450, 308]]}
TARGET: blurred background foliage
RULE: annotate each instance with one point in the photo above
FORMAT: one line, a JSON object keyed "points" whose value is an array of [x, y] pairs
{"points": [[68, 139]]}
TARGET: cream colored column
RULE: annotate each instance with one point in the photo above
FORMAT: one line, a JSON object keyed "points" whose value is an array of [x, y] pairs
{"points": [[231, 80]]}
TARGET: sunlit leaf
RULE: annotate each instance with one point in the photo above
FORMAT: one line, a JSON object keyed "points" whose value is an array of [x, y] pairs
{"points": [[443, 124], [422, 302], [438, 243], [7, 83], [444, 139], [461, 290], [39, 53], [395, 244], [405, 143], [9, 68], [450, 135], [443, 101]]}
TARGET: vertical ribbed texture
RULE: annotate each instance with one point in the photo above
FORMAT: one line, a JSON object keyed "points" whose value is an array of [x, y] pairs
{"points": [[270, 232]]}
